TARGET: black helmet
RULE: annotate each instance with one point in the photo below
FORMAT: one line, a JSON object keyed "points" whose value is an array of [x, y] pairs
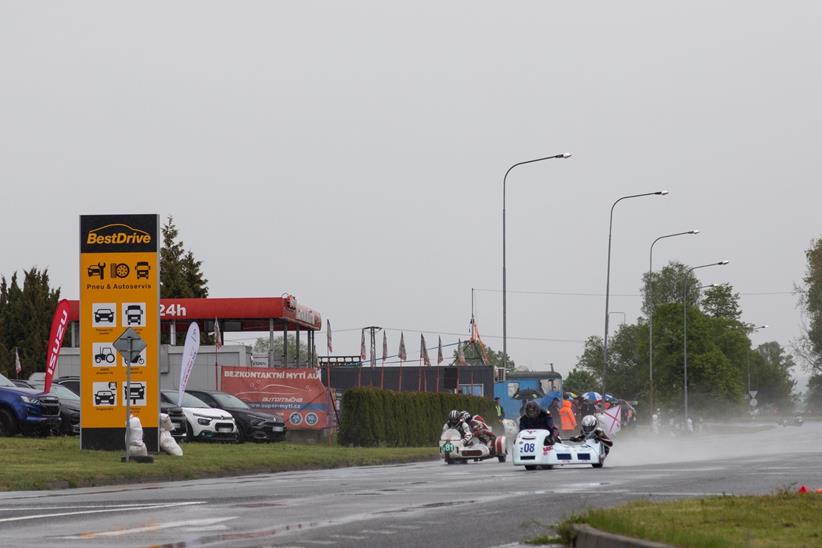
{"points": [[453, 417], [532, 409]]}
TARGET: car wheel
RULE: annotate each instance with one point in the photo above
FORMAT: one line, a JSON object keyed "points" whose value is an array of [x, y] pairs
{"points": [[530, 467], [8, 426], [501, 458], [597, 464], [189, 432]]}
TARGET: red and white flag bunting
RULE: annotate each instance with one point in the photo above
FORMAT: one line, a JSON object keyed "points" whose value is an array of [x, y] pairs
{"points": [[402, 353], [424, 351], [218, 336]]}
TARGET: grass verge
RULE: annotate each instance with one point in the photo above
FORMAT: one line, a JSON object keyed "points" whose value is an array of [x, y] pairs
{"points": [[783, 519], [53, 463]]}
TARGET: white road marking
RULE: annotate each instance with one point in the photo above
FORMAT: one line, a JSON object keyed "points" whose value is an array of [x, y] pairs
{"points": [[71, 507], [382, 532], [159, 526], [321, 542], [210, 528], [348, 537], [102, 511]]}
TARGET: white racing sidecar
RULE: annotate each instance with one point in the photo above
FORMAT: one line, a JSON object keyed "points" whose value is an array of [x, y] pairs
{"points": [[453, 448], [533, 449]]}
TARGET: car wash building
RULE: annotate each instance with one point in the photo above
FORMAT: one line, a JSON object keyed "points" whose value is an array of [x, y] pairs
{"points": [[275, 315]]}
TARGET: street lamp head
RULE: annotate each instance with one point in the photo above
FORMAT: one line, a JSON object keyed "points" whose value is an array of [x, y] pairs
{"points": [[693, 231], [661, 193], [723, 262], [564, 155]]}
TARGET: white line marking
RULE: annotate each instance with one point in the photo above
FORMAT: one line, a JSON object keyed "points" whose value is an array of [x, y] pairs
{"points": [[348, 537], [373, 532], [209, 528], [102, 510], [72, 507], [169, 525]]}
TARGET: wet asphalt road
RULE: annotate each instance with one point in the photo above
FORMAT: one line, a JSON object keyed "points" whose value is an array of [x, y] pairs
{"points": [[422, 504]]}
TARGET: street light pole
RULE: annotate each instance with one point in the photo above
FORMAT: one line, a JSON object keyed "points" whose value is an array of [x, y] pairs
{"points": [[608, 278], [649, 296], [685, 329], [504, 281], [748, 354]]}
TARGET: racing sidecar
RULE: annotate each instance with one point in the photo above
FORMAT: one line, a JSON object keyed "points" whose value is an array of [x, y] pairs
{"points": [[532, 448], [453, 448]]}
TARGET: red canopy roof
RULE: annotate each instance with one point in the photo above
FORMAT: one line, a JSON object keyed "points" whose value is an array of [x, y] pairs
{"points": [[238, 314]]}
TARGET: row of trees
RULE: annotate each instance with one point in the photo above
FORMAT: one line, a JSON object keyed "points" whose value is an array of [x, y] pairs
{"points": [[809, 346], [26, 309], [720, 354], [25, 320]]}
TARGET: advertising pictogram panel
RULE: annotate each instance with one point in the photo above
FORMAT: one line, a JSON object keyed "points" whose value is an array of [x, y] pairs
{"points": [[119, 290]]}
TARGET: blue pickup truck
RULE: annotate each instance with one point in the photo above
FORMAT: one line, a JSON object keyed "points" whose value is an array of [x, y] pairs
{"points": [[26, 410]]}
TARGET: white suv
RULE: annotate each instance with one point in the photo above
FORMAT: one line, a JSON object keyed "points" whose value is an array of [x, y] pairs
{"points": [[202, 421]]}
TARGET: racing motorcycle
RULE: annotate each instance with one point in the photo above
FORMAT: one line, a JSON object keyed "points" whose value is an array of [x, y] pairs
{"points": [[454, 449], [534, 448], [796, 421]]}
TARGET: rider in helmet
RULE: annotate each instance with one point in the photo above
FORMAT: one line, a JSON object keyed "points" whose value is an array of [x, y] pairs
{"points": [[481, 430], [590, 430], [456, 421], [536, 418]]}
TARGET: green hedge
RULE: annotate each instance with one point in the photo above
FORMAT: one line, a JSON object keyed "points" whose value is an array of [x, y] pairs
{"points": [[371, 417]]}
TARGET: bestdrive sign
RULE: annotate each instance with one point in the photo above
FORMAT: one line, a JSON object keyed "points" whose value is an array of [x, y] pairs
{"points": [[119, 289]]}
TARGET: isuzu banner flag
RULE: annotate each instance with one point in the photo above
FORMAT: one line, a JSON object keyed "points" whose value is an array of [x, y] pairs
{"points": [[190, 351], [297, 394], [59, 325]]}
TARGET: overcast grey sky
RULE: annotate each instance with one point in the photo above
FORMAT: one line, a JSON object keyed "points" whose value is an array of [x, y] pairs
{"points": [[352, 153]]}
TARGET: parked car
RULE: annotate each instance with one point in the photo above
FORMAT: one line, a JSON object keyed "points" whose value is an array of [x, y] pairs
{"points": [[254, 425], [25, 410], [203, 422], [69, 408], [20, 383]]}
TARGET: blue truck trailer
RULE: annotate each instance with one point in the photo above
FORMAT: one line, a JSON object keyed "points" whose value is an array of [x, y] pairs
{"points": [[520, 387]]}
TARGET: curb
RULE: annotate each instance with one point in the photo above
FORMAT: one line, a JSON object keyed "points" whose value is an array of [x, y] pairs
{"points": [[588, 537]]}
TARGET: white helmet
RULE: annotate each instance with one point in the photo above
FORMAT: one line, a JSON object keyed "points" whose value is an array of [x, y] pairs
{"points": [[589, 424]]}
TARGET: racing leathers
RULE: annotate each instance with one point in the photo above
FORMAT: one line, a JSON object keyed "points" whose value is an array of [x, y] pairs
{"points": [[598, 434], [482, 431], [542, 421], [463, 428]]}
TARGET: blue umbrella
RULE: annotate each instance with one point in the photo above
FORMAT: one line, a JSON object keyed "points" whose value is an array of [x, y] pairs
{"points": [[596, 396], [610, 397]]}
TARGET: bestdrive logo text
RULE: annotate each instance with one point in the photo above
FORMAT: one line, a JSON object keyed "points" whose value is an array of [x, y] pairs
{"points": [[117, 234]]}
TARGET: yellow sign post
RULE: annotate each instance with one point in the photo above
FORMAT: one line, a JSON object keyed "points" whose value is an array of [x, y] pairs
{"points": [[119, 289]]}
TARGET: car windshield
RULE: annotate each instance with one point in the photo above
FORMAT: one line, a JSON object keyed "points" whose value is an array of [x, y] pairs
{"points": [[5, 382], [229, 400], [188, 399], [59, 390]]}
